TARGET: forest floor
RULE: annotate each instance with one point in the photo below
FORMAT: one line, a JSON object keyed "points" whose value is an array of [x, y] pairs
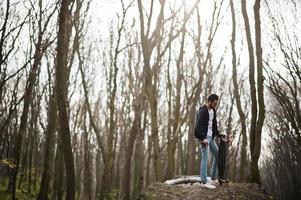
{"points": [[239, 191]]}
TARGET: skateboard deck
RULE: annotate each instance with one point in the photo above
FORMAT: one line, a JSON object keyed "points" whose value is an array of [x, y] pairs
{"points": [[222, 161]]}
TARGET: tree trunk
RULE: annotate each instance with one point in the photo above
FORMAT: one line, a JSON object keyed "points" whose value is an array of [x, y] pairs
{"points": [[139, 158], [241, 113], [173, 140], [87, 164], [33, 144], [49, 149], [98, 174], [58, 185], [79, 162], [150, 87], [148, 161], [139, 103], [23, 122], [126, 174], [229, 133], [251, 80], [62, 77], [256, 139]]}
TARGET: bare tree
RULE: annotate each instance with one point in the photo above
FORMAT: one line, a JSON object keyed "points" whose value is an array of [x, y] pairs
{"points": [[255, 139], [42, 43], [257, 106], [283, 115], [49, 141], [241, 113], [175, 119], [61, 95]]}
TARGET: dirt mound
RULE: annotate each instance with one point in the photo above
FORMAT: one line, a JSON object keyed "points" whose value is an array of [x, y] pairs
{"points": [[241, 191]]}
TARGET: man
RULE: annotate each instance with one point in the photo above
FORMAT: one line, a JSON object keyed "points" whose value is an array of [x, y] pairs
{"points": [[205, 131]]}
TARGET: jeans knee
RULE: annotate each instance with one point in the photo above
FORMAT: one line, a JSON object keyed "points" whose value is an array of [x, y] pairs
{"points": [[205, 156]]}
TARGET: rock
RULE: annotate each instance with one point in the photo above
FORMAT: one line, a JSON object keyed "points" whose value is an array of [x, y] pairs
{"points": [[241, 191]]}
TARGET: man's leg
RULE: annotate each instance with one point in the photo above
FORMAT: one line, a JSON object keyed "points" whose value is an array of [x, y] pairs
{"points": [[214, 152], [204, 152]]}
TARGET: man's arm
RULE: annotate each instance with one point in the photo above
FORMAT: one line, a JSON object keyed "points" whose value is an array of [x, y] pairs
{"points": [[200, 118]]}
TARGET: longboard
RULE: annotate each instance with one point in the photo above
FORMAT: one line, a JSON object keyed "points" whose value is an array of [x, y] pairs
{"points": [[222, 160]]}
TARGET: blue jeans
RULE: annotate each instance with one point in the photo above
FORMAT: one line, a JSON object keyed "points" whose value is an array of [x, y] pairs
{"points": [[204, 152]]}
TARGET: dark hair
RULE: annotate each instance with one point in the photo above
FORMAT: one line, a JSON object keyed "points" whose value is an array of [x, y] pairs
{"points": [[212, 97]]}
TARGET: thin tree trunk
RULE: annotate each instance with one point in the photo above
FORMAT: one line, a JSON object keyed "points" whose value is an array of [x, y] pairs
{"points": [[139, 158], [62, 77], [229, 133], [25, 156], [126, 174], [150, 88], [79, 163], [139, 103], [24, 116], [98, 174], [57, 187], [256, 139], [173, 140], [108, 170], [33, 144], [251, 77], [87, 164], [241, 113], [49, 149], [148, 161]]}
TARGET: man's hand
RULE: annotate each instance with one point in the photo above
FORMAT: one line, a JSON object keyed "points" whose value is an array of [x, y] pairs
{"points": [[204, 142]]}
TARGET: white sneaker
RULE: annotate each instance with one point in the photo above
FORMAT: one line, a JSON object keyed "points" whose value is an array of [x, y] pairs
{"points": [[214, 182], [207, 185]]}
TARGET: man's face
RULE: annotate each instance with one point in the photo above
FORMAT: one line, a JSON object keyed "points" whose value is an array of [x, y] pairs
{"points": [[213, 104]]}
